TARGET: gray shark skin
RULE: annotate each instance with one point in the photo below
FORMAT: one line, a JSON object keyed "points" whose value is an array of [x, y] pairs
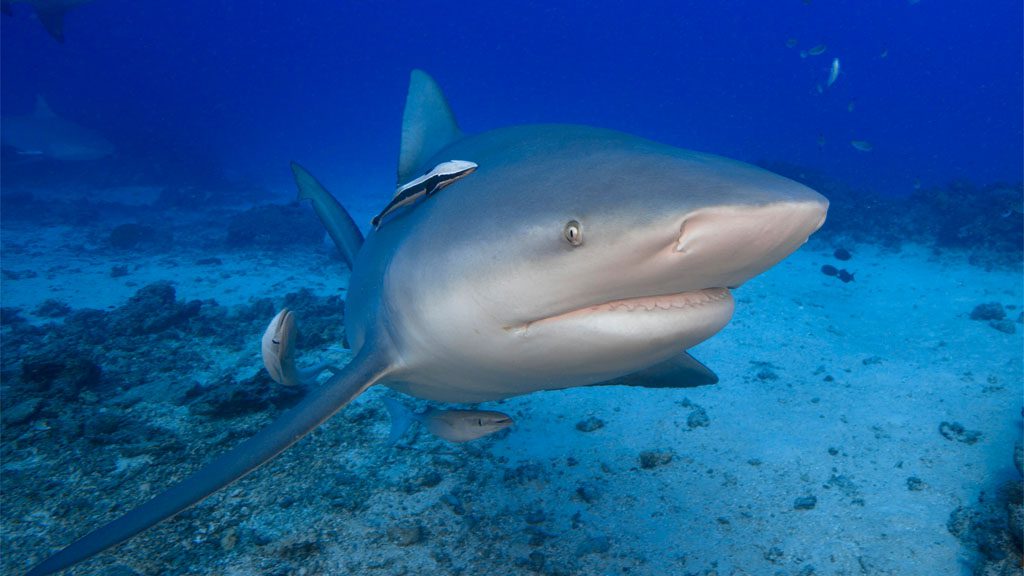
{"points": [[573, 256], [49, 12], [43, 134]]}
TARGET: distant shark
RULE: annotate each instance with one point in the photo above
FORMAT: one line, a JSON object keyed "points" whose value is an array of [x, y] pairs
{"points": [[43, 134], [49, 12], [571, 256]]}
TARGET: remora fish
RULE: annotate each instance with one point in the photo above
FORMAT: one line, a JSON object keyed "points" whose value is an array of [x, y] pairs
{"points": [[452, 425], [574, 256], [278, 350], [46, 135], [444, 174]]}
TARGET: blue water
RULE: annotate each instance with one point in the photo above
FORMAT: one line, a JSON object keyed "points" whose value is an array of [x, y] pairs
{"points": [[871, 384], [246, 86]]}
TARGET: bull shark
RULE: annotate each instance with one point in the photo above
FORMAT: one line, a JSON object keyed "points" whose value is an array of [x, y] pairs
{"points": [[43, 134], [278, 350], [49, 12], [572, 256]]}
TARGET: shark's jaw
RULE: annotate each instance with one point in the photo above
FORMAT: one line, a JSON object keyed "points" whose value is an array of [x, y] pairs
{"points": [[657, 304], [680, 289], [684, 319]]}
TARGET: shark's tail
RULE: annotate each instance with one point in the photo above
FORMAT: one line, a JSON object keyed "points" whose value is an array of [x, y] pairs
{"points": [[318, 406], [401, 419]]}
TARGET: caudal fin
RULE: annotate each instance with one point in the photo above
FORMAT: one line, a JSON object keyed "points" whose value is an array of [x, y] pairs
{"points": [[318, 406]]}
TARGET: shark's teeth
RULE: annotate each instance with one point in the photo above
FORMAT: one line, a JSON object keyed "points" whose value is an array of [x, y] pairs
{"points": [[663, 302], [660, 303]]}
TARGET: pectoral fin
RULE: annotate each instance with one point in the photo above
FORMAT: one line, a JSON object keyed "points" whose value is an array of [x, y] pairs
{"points": [[681, 371], [318, 406], [347, 237]]}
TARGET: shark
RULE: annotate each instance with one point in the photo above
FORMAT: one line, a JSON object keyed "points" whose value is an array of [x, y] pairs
{"points": [[572, 256], [43, 134], [278, 350], [49, 12]]}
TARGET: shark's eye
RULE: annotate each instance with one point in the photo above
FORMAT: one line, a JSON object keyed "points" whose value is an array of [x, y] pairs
{"points": [[573, 233]]}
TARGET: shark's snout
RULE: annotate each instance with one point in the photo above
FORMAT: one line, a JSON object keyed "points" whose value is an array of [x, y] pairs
{"points": [[732, 244]]}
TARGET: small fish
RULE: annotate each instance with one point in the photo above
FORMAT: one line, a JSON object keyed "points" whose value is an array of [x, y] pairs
{"points": [[884, 54], [862, 145], [451, 425], [829, 270], [842, 254], [851, 106], [817, 50], [803, 53], [275, 346], [444, 174], [821, 141], [845, 275], [791, 43], [278, 350], [833, 73]]}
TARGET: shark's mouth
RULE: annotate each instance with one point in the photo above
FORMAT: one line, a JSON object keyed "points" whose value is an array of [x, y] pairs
{"points": [[639, 305]]}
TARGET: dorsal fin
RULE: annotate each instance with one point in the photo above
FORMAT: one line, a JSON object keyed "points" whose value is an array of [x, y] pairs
{"points": [[428, 125], [42, 109]]}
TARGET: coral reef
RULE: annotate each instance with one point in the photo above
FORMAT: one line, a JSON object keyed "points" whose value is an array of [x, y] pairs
{"points": [[985, 222], [154, 332], [275, 226]]}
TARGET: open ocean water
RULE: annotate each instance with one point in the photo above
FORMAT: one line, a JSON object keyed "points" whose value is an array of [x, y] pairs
{"points": [[867, 414]]}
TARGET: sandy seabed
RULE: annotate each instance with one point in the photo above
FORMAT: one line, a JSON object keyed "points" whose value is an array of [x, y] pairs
{"points": [[821, 451]]}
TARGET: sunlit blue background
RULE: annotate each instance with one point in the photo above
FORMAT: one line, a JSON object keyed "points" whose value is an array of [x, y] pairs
{"points": [[247, 86]]}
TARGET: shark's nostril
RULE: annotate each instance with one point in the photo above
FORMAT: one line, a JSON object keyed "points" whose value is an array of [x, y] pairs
{"points": [[681, 241]]}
